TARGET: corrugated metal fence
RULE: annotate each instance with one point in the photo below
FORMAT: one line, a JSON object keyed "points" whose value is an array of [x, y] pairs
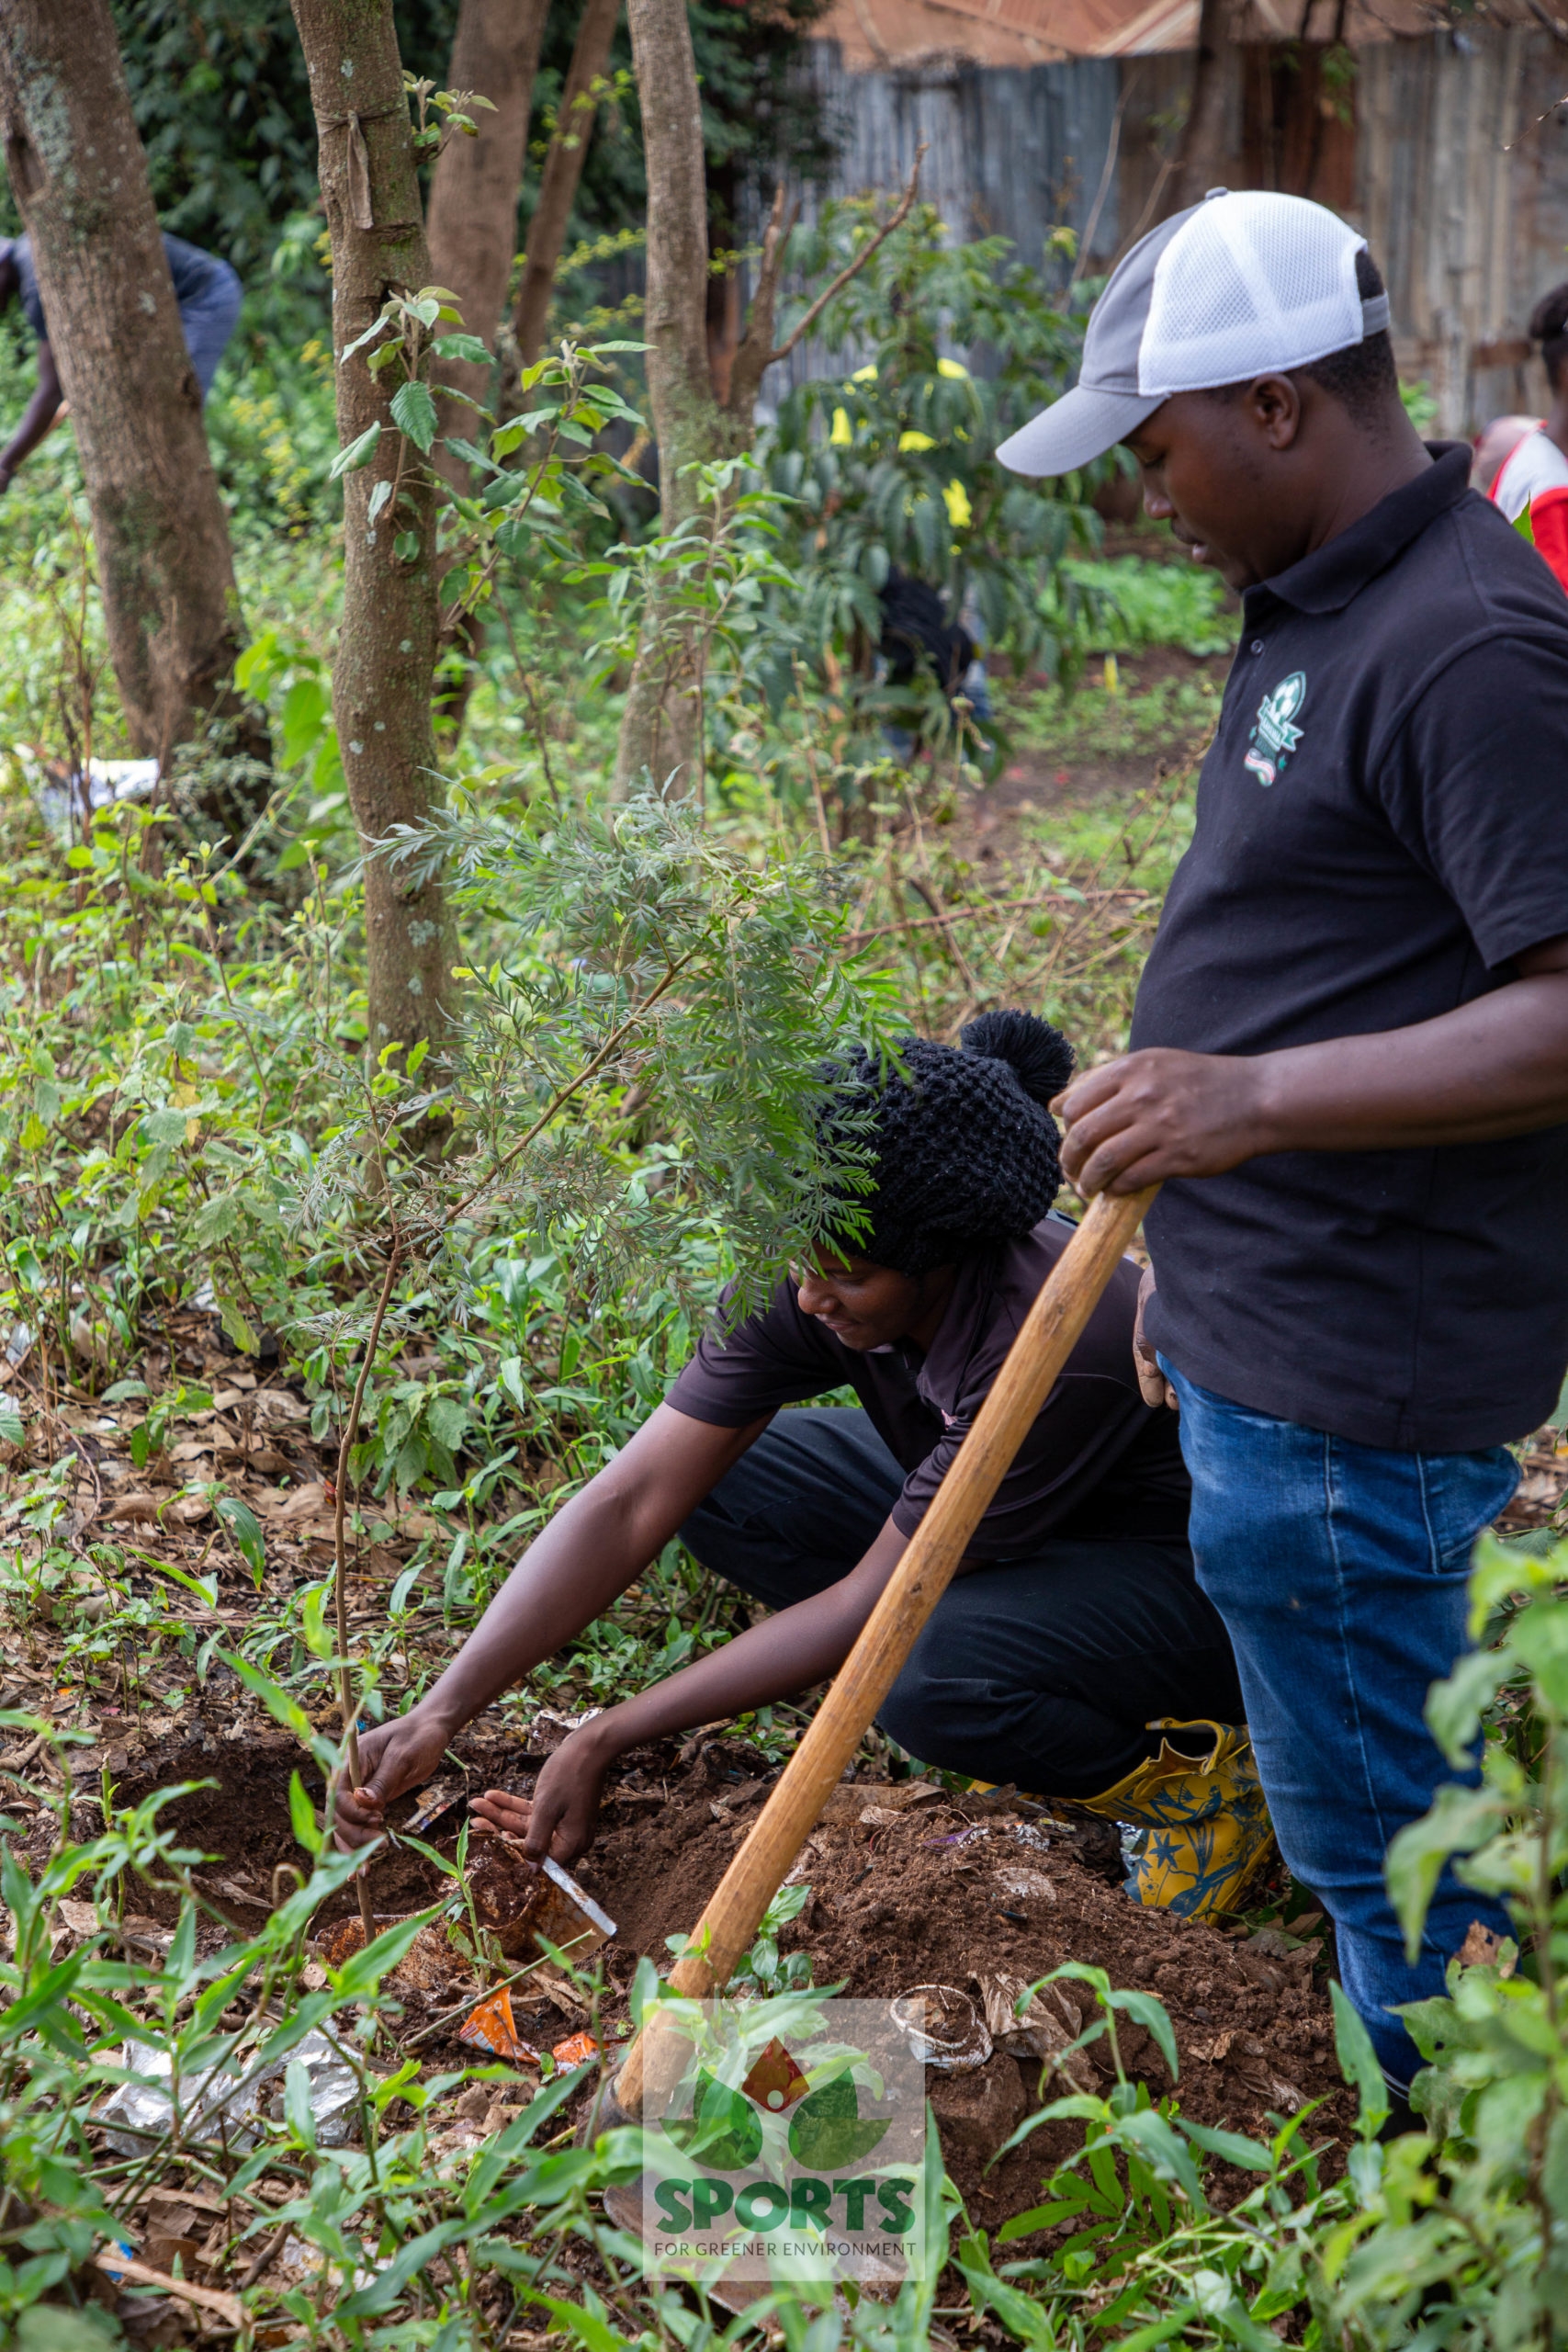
{"points": [[1462, 192], [1010, 151]]}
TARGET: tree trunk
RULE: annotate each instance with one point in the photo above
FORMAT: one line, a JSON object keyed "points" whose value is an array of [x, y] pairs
{"points": [[474, 190], [381, 680], [1201, 158], [660, 723], [166, 572], [563, 170]]}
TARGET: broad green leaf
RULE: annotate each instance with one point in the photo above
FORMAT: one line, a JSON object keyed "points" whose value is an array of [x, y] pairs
{"points": [[1554, 2170], [447, 1418], [215, 1220], [462, 346], [1160, 2331], [1232, 2147], [236, 1323], [204, 1588], [297, 2102], [1023, 2317], [306, 706], [513, 434], [377, 326], [470, 454], [245, 1528], [413, 413], [302, 1816], [1358, 2062], [358, 452], [1539, 1636], [1454, 1708], [1459, 1821], [574, 2319], [1163, 2150], [401, 1590], [1500, 1571], [313, 1629], [1149, 2010], [54, 1990]]}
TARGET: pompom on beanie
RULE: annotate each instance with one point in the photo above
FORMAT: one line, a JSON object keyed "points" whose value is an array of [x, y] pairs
{"points": [[966, 1148]]}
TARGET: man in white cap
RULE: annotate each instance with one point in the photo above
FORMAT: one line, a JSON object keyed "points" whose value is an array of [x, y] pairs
{"points": [[1353, 1026]]}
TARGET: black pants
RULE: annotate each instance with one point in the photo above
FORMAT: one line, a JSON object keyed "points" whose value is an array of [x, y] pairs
{"points": [[1043, 1671]]}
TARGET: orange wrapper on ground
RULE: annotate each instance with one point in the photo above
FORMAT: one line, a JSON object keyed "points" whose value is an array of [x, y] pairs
{"points": [[575, 2050], [492, 2027]]}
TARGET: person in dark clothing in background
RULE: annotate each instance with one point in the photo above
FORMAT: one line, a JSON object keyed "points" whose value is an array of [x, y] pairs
{"points": [[1073, 1655], [919, 642], [207, 292]]}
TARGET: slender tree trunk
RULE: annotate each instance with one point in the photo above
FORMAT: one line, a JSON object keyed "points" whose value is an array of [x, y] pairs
{"points": [[659, 725], [381, 679], [563, 170], [1200, 158], [166, 571], [474, 189]]}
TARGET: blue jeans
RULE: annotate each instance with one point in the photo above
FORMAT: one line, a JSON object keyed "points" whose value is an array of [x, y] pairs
{"points": [[1340, 1572]]}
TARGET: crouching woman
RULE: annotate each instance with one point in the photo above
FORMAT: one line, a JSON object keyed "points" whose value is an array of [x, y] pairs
{"points": [[1073, 1655]]}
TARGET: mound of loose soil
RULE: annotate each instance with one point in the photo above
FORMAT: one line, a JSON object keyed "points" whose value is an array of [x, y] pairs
{"points": [[909, 1886], [941, 1891]]}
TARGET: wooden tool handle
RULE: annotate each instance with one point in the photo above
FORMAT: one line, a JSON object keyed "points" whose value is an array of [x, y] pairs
{"points": [[1049, 1334]]}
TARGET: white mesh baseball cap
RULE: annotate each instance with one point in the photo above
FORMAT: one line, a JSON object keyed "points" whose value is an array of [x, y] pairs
{"points": [[1239, 286]]}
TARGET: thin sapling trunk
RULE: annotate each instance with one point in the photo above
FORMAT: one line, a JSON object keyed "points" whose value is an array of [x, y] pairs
{"points": [[346, 1702]]}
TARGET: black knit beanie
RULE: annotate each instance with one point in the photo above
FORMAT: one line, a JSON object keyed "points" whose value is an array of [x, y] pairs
{"points": [[965, 1148]]}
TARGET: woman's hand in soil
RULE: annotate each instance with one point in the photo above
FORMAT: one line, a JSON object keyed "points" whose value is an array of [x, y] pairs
{"points": [[498, 1809], [560, 1817], [392, 1756]]}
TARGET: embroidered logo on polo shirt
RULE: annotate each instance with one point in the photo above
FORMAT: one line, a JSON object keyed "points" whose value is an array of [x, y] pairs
{"points": [[1273, 738]]}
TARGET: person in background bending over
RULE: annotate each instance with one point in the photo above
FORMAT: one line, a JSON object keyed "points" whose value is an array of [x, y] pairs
{"points": [[1531, 483], [207, 292]]}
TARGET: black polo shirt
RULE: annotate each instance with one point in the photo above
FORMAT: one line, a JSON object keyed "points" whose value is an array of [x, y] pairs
{"points": [[1381, 828]]}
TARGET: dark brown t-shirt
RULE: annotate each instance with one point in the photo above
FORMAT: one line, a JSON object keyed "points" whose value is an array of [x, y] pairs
{"points": [[1099, 1461]]}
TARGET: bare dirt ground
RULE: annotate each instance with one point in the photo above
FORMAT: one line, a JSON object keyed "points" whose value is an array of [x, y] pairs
{"points": [[939, 1890], [1000, 825]]}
